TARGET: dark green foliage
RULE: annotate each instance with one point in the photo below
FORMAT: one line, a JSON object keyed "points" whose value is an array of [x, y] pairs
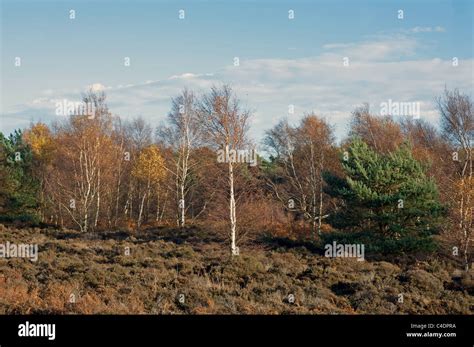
{"points": [[376, 244], [388, 200], [18, 186]]}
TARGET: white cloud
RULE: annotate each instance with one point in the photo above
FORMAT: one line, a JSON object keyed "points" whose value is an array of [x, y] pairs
{"points": [[97, 87], [418, 29]]}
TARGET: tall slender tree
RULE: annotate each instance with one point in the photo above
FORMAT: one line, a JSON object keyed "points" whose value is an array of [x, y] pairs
{"points": [[301, 154], [457, 121], [225, 127], [182, 135]]}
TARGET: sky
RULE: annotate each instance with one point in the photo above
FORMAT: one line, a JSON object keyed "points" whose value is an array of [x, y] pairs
{"points": [[332, 57]]}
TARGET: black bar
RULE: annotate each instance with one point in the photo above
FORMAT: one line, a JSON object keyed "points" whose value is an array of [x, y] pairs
{"points": [[318, 330]]}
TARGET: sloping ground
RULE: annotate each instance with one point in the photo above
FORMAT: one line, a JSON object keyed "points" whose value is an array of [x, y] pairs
{"points": [[191, 272]]}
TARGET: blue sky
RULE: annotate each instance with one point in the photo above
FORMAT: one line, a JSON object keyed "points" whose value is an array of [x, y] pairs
{"points": [[282, 61]]}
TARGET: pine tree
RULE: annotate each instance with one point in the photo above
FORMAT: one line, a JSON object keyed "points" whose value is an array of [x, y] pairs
{"points": [[19, 189], [387, 197]]}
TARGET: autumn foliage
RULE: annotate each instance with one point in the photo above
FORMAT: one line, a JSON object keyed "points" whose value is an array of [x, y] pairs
{"points": [[101, 172]]}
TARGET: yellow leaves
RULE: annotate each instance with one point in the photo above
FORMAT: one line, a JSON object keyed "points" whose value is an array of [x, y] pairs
{"points": [[149, 166], [41, 142], [462, 193], [464, 185]]}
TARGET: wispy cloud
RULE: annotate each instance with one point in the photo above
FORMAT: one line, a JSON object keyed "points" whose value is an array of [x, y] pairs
{"points": [[437, 29], [380, 47], [379, 69]]}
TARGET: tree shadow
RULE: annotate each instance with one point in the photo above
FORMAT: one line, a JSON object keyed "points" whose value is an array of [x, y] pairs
{"points": [[285, 243], [118, 235], [192, 235]]}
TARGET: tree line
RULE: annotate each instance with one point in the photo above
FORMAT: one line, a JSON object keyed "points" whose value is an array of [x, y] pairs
{"points": [[392, 183]]}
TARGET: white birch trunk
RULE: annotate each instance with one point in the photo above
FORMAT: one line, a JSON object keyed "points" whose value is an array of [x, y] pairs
{"points": [[233, 220]]}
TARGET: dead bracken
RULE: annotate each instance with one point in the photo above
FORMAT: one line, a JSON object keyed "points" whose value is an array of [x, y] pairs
{"points": [[163, 275]]}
